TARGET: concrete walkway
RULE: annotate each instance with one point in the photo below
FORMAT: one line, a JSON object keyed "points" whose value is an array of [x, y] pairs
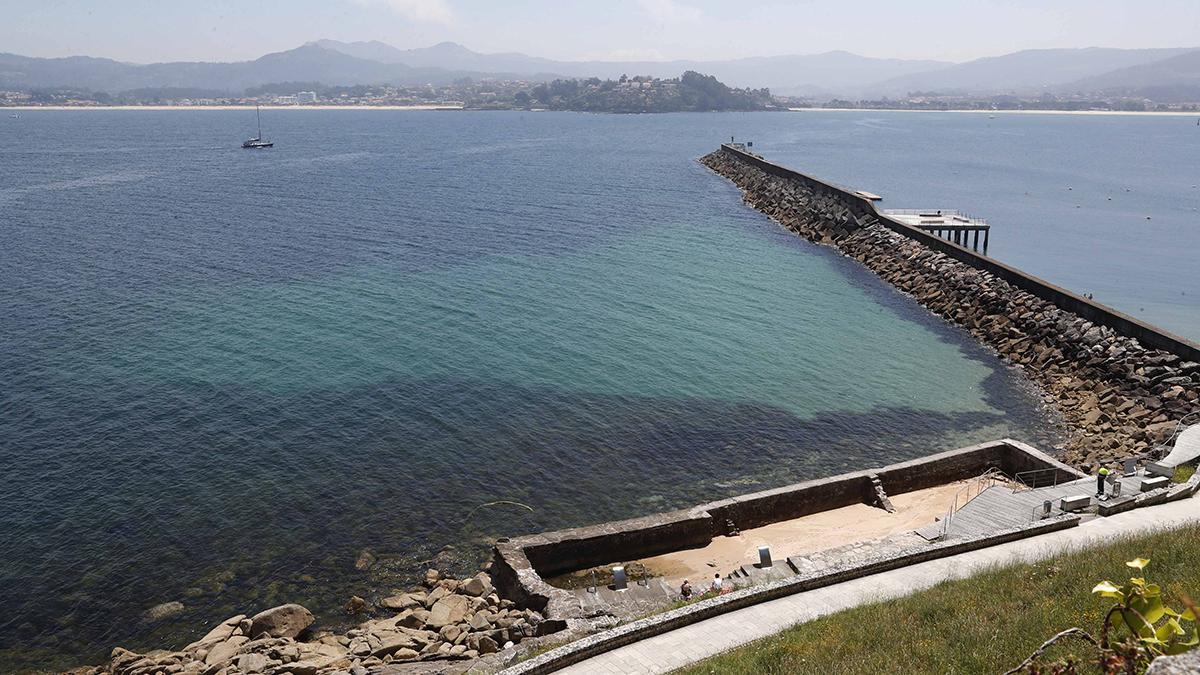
{"points": [[1186, 448], [678, 648]]}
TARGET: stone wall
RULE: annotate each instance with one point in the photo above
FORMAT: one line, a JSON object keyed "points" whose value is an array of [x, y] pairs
{"points": [[613, 638], [1121, 385], [520, 564], [567, 550]]}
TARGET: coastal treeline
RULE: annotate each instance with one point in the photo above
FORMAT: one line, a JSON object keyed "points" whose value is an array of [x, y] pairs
{"points": [[691, 92]]}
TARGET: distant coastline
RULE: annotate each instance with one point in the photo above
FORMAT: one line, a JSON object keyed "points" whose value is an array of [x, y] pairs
{"points": [[234, 107], [1132, 113], [1139, 113]]}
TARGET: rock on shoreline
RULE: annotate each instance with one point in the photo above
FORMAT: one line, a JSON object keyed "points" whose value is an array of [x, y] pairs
{"points": [[1118, 397], [439, 628]]}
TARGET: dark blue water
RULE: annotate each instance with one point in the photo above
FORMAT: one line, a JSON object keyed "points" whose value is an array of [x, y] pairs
{"points": [[225, 373]]}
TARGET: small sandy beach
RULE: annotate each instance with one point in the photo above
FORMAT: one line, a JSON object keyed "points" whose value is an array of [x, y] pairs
{"points": [[817, 532]]}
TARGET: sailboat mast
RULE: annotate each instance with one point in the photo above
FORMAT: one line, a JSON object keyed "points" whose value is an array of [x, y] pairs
{"points": [[258, 116]]}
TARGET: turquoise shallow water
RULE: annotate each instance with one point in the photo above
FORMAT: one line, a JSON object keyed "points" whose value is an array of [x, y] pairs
{"points": [[226, 372]]}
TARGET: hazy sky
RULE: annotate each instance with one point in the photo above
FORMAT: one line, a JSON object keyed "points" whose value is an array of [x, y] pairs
{"points": [[231, 30]]}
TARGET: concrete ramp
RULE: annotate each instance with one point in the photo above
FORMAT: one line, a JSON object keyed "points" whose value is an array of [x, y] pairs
{"points": [[1186, 449]]}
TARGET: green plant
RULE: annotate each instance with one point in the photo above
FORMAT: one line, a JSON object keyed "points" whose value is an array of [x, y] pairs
{"points": [[1183, 473], [1140, 611], [1145, 628]]}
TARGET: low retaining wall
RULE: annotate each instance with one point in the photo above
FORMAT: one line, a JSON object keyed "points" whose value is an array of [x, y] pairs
{"points": [[1120, 384], [802, 499], [520, 565], [568, 550], [620, 636]]}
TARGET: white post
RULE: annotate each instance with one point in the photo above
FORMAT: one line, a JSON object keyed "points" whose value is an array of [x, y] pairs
{"points": [[620, 581]]}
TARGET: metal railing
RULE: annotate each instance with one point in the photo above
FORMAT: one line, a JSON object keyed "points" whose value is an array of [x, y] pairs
{"points": [[966, 493], [1028, 480], [936, 213], [1163, 449]]}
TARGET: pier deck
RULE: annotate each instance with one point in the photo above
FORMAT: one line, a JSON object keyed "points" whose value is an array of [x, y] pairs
{"points": [[1000, 507], [948, 224]]}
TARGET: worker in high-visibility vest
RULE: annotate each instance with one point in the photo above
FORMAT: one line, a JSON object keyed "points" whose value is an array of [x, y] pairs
{"points": [[1101, 476]]}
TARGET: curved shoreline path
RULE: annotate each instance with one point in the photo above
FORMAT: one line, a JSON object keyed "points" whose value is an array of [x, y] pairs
{"points": [[696, 642]]}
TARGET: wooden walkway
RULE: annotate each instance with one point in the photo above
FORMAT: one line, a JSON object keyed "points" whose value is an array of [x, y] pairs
{"points": [[999, 507]]}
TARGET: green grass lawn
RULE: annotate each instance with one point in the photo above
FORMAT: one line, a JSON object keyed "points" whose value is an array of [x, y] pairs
{"points": [[985, 624]]}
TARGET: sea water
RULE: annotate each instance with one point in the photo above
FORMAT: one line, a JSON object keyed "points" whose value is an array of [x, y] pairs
{"points": [[226, 373]]}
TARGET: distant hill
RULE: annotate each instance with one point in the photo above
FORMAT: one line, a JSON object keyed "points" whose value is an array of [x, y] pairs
{"points": [[310, 63], [1172, 79], [821, 76], [1026, 71], [83, 72], [453, 56], [837, 70]]}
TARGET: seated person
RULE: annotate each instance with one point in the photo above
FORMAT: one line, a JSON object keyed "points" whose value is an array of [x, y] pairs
{"points": [[717, 584], [685, 590]]}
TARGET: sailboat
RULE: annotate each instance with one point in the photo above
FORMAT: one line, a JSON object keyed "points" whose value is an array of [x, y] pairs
{"points": [[257, 141]]}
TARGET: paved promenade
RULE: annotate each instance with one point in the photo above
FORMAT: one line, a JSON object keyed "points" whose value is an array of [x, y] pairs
{"points": [[678, 648]]}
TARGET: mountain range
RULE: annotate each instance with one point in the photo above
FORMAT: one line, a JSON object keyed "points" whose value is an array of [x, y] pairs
{"points": [[836, 73], [1027, 71], [826, 71], [308, 63], [1170, 80]]}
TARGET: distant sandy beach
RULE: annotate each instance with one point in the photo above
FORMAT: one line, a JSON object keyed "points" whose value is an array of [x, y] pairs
{"points": [[234, 107], [1145, 113], [459, 107]]}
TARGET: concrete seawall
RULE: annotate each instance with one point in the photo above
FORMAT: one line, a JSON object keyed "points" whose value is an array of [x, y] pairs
{"points": [[520, 565], [1120, 384]]}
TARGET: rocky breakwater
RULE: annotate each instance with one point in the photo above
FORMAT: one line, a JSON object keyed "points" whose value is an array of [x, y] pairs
{"points": [[446, 626], [1118, 397]]}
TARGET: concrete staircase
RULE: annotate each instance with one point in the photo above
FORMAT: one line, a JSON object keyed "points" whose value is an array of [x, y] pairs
{"points": [[636, 600], [752, 574]]}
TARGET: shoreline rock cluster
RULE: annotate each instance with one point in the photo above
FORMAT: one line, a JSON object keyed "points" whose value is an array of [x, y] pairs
{"points": [[1118, 397], [438, 628]]}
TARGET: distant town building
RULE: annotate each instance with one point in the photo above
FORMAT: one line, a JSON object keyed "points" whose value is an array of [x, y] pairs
{"points": [[306, 97], [285, 100]]}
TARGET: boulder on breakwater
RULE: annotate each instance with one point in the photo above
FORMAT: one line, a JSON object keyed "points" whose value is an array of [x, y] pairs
{"points": [[1118, 397]]}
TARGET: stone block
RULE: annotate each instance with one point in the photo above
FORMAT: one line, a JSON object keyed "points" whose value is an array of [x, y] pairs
{"points": [[1075, 502], [1155, 483]]}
